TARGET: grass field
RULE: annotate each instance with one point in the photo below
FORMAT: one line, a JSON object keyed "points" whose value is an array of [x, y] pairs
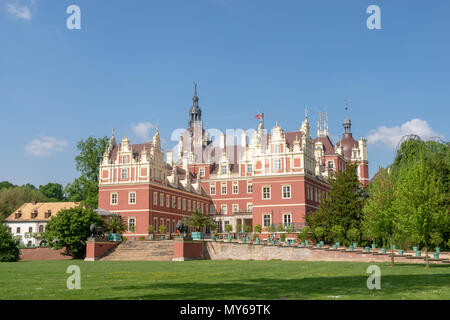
{"points": [[221, 280]]}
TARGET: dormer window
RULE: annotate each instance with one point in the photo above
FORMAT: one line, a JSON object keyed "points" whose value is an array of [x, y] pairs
{"points": [[48, 214], [330, 164], [124, 159], [249, 168], [202, 172], [224, 169], [18, 214], [124, 174], [34, 214], [277, 148], [355, 154]]}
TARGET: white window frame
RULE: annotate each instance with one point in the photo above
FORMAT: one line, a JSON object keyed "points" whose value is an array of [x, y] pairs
{"points": [[130, 198], [262, 193], [284, 219], [202, 172], [111, 202], [249, 206], [222, 186], [235, 186], [161, 199], [279, 162], [235, 207], [155, 198], [223, 169], [167, 200], [211, 188], [122, 175], [250, 168], [222, 211], [263, 219], [134, 224], [283, 191], [249, 188]]}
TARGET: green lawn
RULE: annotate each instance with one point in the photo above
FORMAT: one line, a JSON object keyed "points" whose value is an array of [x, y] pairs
{"points": [[221, 280]]}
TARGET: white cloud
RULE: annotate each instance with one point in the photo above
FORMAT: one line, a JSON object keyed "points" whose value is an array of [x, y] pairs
{"points": [[45, 146], [391, 136], [142, 130], [19, 11]]}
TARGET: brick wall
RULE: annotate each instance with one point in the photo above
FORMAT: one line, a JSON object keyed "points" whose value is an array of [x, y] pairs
{"points": [[42, 254]]}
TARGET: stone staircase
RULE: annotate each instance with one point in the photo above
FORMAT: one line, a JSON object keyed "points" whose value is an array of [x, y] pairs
{"points": [[159, 250]]}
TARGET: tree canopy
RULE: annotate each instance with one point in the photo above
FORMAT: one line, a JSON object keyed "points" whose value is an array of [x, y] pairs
{"points": [[84, 189], [9, 251], [70, 228]]}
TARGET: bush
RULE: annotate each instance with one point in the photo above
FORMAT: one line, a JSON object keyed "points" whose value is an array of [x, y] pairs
{"points": [[228, 228], [337, 233], [141, 238], [162, 229], [70, 230], [9, 252], [115, 224], [283, 237], [257, 228], [318, 233]]}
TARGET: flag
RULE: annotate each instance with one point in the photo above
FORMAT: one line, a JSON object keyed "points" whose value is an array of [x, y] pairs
{"points": [[259, 116]]}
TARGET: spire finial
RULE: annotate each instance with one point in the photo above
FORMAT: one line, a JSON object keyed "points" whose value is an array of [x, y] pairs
{"points": [[113, 132], [306, 112], [195, 88], [157, 128]]}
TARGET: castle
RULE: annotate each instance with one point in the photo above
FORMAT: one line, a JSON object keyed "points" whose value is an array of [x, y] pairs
{"points": [[267, 179]]}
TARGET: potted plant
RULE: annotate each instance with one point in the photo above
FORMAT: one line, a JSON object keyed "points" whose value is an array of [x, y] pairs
{"points": [[318, 234], [257, 229], [337, 233], [132, 229], [198, 220], [150, 229], [239, 230], [229, 229], [304, 234], [436, 240], [216, 235], [115, 227], [271, 230], [353, 235], [162, 229]]}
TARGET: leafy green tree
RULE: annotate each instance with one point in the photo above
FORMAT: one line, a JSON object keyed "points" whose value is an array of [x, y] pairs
{"points": [[337, 233], [70, 229], [381, 217], [257, 228], [353, 235], [53, 191], [12, 198], [304, 233], [419, 202], [115, 224], [9, 251], [318, 233], [343, 205], [228, 228], [84, 189], [6, 184], [198, 220]]}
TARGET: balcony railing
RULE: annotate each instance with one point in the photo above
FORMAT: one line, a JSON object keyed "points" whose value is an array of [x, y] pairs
{"points": [[221, 213]]}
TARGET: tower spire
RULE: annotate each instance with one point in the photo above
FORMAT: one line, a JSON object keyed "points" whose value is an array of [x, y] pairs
{"points": [[347, 123]]}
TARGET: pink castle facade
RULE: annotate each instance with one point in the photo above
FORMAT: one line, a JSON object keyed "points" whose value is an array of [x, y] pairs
{"points": [[267, 179]]}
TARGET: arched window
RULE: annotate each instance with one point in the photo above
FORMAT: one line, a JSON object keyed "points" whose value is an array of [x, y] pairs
{"points": [[41, 228]]}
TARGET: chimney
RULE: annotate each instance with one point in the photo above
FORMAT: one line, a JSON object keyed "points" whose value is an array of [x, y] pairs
{"points": [[169, 156]]}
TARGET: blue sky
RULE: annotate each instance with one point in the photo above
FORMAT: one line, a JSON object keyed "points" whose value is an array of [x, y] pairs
{"points": [[133, 63]]}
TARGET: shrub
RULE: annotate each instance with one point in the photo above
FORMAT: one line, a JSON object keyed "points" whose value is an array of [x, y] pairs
{"points": [[228, 228], [257, 228], [353, 234], [337, 233], [9, 252], [115, 224], [318, 233], [162, 228], [238, 227], [141, 238], [150, 229], [283, 237], [280, 228], [247, 228]]}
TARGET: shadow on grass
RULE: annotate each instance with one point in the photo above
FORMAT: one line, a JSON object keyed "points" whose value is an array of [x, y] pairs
{"points": [[353, 287]]}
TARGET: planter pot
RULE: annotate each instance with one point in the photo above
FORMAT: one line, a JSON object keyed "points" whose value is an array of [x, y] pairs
{"points": [[374, 245], [367, 249], [214, 239], [288, 243], [162, 237], [257, 241], [394, 246], [306, 242], [273, 242], [133, 238], [400, 252], [197, 235], [415, 248], [436, 255], [322, 243], [229, 238], [244, 240], [355, 245], [114, 237], [338, 244], [318, 245], [383, 250], [438, 249], [418, 253], [350, 248], [150, 237], [334, 246]]}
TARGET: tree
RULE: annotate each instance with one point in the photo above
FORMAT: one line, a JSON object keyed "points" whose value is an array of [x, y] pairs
{"points": [[337, 233], [228, 228], [318, 233], [53, 191], [70, 228], [381, 218], [12, 198], [304, 233], [115, 224], [342, 206], [257, 228], [6, 184], [353, 234], [198, 220], [419, 202], [9, 251], [84, 189]]}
